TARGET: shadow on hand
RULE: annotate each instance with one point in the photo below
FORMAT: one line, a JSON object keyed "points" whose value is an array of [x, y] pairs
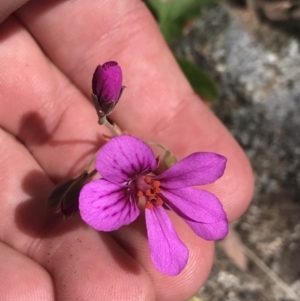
{"points": [[32, 216], [34, 132], [138, 227], [123, 258]]}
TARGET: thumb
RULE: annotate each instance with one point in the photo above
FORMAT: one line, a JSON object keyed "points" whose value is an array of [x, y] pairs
{"points": [[7, 7]]}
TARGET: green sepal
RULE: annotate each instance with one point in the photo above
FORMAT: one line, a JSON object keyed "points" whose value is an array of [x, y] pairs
{"points": [[64, 197], [169, 159]]}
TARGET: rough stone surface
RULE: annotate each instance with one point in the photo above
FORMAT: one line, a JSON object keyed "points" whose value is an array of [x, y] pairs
{"points": [[258, 71]]}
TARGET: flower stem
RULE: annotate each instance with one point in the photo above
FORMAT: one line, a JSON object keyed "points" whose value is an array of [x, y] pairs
{"points": [[90, 163], [158, 145], [111, 127], [92, 173]]}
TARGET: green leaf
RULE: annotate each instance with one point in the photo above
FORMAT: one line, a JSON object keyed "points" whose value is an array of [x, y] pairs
{"points": [[170, 10], [172, 15], [64, 197], [199, 80], [170, 31], [55, 199], [169, 159]]}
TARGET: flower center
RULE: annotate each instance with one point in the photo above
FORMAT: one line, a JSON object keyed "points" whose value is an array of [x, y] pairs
{"points": [[149, 192]]}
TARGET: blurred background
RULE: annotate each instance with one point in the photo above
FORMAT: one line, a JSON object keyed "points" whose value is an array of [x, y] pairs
{"points": [[243, 58]]}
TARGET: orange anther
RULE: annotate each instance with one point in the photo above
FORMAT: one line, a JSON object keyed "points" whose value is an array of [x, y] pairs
{"points": [[159, 202], [149, 205], [156, 184], [140, 193], [148, 180], [149, 192], [151, 198], [156, 190]]}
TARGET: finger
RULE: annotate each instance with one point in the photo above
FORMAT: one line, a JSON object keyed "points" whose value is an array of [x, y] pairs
{"points": [[83, 263], [23, 279], [188, 282], [159, 103], [9, 6], [235, 190], [40, 96], [47, 111]]}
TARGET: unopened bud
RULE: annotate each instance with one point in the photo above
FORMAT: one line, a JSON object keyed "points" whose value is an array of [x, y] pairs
{"points": [[65, 196], [107, 88]]}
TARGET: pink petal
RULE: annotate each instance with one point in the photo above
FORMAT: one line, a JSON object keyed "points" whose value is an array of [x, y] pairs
{"points": [[196, 169], [168, 253], [106, 206], [123, 158], [214, 231], [194, 204]]}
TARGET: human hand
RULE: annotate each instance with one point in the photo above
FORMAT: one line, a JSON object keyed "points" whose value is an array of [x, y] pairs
{"points": [[49, 131]]}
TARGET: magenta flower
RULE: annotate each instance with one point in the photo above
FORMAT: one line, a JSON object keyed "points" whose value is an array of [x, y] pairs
{"points": [[127, 165], [107, 87]]}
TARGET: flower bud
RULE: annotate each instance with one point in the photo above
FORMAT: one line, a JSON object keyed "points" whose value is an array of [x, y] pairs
{"points": [[107, 88], [64, 198]]}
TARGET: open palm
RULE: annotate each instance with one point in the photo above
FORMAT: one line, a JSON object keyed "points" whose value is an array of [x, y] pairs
{"points": [[49, 132]]}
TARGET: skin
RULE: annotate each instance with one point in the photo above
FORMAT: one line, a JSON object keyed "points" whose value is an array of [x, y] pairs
{"points": [[49, 132]]}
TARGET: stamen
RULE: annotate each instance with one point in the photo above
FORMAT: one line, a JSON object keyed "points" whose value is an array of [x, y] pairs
{"points": [[152, 199], [149, 192], [156, 190], [159, 202], [140, 193], [148, 180], [149, 205], [155, 184]]}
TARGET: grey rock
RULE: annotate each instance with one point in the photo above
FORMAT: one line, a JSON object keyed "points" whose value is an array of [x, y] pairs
{"points": [[257, 69]]}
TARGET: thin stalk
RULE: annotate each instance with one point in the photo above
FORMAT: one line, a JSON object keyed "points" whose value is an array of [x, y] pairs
{"points": [[92, 173], [111, 127]]}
